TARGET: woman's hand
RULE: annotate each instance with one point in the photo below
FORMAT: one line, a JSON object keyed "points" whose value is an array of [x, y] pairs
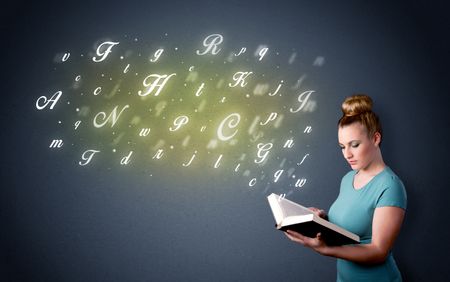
{"points": [[319, 212], [317, 244]]}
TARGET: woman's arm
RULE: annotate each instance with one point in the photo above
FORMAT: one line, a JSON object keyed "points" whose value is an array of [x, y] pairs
{"points": [[386, 225]]}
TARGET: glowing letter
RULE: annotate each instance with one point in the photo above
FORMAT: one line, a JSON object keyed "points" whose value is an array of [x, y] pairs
{"points": [[105, 53], [277, 175], [54, 99], [199, 91], [239, 77], [211, 44], [125, 70], [252, 182], [192, 158], [303, 159], [179, 122], [157, 55], [302, 100], [217, 164], [97, 91], [113, 115], [77, 123], [262, 52], [308, 129], [154, 84], [144, 131], [234, 121], [158, 154], [65, 57], [87, 156], [272, 117], [300, 182], [243, 49], [56, 143], [126, 160], [278, 88], [289, 143], [263, 151]]}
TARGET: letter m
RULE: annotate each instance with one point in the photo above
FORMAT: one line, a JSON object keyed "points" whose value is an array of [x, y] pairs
{"points": [[56, 143]]}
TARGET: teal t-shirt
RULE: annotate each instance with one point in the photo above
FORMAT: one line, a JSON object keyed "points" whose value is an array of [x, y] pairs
{"points": [[354, 209]]}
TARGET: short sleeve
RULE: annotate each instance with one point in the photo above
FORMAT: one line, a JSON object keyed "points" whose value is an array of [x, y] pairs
{"points": [[394, 195]]}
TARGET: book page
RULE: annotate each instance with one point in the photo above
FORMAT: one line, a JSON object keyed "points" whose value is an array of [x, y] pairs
{"points": [[290, 208]]}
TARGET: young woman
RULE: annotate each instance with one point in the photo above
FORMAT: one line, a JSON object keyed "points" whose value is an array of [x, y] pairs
{"points": [[371, 201]]}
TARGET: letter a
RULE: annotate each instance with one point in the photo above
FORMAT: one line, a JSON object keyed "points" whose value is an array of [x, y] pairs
{"points": [[54, 99]]}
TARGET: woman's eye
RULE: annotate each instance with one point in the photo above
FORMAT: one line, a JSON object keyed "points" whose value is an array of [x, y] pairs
{"points": [[355, 145]]}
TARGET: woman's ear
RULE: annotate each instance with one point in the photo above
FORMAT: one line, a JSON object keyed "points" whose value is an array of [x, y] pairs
{"points": [[377, 138]]}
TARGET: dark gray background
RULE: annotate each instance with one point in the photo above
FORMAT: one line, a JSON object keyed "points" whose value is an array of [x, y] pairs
{"points": [[60, 222]]}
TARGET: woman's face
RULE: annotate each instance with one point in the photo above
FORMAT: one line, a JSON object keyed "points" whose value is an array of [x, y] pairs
{"points": [[358, 149]]}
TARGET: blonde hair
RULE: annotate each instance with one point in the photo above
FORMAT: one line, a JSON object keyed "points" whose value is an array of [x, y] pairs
{"points": [[358, 108]]}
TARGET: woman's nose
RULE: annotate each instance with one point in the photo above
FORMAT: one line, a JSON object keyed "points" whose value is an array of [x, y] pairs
{"points": [[348, 154]]}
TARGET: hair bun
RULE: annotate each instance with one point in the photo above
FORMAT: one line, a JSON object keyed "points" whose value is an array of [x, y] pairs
{"points": [[356, 105]]}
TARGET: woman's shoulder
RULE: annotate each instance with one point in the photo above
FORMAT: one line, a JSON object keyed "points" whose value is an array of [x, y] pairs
{"points": [[390, 178], [392, 192]]}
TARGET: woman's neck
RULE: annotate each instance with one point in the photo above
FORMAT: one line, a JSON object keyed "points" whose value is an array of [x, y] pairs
{"points": [[375, 167]]}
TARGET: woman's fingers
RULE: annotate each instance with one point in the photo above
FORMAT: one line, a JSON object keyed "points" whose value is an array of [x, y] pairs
{"points": [[294, 236], [318, 212]]}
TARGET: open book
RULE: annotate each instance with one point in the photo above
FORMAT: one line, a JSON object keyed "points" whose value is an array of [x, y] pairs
{"points": [[292, 216]]}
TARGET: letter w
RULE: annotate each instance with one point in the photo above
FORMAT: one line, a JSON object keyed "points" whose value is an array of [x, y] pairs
{"points": [[144, 131]]}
